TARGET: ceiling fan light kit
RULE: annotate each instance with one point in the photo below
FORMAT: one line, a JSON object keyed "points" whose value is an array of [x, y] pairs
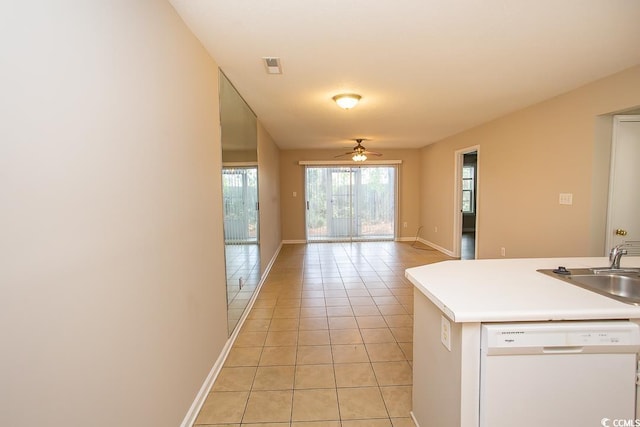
{"points": [[359, 152], [347, 100]]}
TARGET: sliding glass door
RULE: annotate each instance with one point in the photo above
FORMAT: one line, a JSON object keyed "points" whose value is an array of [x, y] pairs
{"points": [[350, 203]]}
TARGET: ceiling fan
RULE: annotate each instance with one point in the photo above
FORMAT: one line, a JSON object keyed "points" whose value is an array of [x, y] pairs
{"points": [[359, 152]]}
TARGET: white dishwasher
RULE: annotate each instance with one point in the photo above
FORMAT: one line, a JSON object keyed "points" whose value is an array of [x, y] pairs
{"points": [[558, 373]]}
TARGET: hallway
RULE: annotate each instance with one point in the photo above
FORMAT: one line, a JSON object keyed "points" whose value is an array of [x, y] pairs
{"points": [[327, 343]]}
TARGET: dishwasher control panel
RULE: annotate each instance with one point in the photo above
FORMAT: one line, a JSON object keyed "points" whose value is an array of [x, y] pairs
{"points": [[554, 337]]}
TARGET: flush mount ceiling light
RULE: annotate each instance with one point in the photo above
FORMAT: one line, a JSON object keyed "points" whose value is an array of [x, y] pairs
{"points": [[347, 100]]}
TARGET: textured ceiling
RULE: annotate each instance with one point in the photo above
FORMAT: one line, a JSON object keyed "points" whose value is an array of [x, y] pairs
{"points": [[426, 69]]}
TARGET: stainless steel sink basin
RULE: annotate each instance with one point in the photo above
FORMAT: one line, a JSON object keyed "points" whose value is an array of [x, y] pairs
{"points": [[622, 285]]}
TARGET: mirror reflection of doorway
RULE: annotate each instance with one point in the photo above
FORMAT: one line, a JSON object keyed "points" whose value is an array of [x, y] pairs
{"points": [[240, 198], [469, 197]]}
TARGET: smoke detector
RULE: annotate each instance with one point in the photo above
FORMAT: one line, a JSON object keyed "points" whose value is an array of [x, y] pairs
{"points": [[273, 65]]}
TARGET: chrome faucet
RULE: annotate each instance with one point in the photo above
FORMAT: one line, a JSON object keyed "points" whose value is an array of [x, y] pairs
{"points": [[615, 254]]}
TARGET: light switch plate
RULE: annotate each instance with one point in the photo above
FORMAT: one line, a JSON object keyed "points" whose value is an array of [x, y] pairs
{"points": [[566, 198], [445, 332]]}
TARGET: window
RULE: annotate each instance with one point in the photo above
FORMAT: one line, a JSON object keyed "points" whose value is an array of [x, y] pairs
{"points": [[468, 185]]}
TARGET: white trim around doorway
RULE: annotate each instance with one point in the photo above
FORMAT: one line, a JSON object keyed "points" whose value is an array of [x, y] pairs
{"points": [[457, 198]]}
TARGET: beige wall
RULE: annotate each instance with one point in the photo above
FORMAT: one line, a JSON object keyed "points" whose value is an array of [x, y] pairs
{"points": [[526, 159], [292, 180], [269, 196], [112, 288], [241, 156]]}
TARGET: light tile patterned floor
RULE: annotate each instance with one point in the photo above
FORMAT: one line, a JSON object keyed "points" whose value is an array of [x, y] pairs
{"points": [[328, 342]]}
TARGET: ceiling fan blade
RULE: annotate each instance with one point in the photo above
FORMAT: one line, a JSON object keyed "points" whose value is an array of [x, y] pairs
{"points": [[373, 153], [342, 155]]}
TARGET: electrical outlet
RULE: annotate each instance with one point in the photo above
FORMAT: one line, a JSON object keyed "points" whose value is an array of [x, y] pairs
{"points": [[503, 252], [435, 228], [295, 194], [404, 224], [445, 332]]}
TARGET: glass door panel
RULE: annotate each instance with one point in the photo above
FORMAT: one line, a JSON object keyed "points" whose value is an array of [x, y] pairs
{"points": [[374, 203], [316, 195], [339, 207]]}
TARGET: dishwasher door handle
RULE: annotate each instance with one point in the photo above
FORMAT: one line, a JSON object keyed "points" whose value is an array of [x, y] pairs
{"points": [[563, 349]]}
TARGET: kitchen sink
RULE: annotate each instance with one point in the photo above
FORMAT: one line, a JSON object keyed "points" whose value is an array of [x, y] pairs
{"points": [[620, 284]]}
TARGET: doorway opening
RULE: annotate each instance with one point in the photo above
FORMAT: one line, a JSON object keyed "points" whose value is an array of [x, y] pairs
{"points": [[466, 208], [350, 203]]}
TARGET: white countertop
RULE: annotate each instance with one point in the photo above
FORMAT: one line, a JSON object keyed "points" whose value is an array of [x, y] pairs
{"points": [[500, 290]]}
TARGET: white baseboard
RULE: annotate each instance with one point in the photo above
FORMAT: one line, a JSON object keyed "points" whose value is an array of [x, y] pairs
{"points": [[268, 267], [192, 414], [405, 239], [293, 242], [190, 419], [413, 417], [436, 247]]}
